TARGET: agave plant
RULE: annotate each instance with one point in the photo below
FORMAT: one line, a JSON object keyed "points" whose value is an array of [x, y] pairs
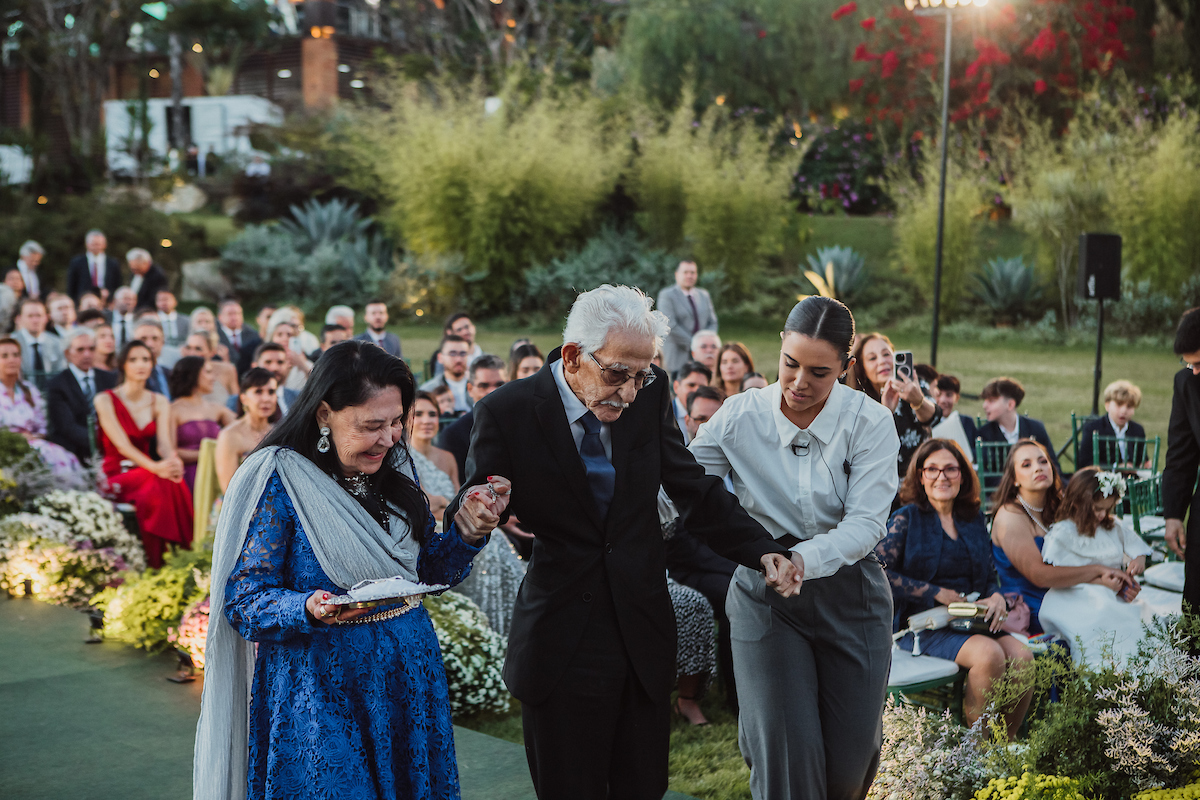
{"points": [[836, 272], [1007, 286], [320, 222]]}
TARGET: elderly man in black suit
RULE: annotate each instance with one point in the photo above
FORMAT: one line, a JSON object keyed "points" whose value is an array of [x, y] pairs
{"points": [[93, 271], [1180, 497], [69, 394], [586, 442], [148, 277]]}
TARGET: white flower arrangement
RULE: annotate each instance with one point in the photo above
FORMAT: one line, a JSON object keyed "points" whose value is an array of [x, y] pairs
{"points": [[472, 652], [92, 518], [23, 527], [1110, 482]]}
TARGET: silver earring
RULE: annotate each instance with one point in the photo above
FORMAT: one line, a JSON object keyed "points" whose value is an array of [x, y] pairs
{"points": [[323, 442]]}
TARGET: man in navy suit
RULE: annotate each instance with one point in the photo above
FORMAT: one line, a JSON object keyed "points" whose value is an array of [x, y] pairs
{"points": [[150, 332], [94, 271], [1121, 399], [1001, 396], [376, 316], [240, 339], [69, 394]]}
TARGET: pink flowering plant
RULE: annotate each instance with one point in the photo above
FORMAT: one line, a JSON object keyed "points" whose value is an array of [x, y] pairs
{"points": [[192, 632]]}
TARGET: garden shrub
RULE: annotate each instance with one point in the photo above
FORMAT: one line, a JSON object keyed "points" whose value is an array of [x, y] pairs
{"points": [[472, 652], [143, 610], [844, 266], [1008, 287], [842, 171]]}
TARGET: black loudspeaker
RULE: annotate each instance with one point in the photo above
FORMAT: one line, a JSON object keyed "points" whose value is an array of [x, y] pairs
{"points": [[1099, 266]]}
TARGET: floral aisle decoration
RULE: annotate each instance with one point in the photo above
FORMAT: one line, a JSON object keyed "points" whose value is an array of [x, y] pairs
{"points": [[143, 610], [60, 566], [1031, 787], [92, 517], [192, 632], [472, 652]]}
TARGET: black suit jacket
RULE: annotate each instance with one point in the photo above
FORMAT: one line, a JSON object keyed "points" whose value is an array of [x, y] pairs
{"points": [[79, 277], [67, 410], [521, 432], [1103, 427], [968, 424], [1183, 455], [456, 438], [152, 281], [1027, 428], [244, 357]]}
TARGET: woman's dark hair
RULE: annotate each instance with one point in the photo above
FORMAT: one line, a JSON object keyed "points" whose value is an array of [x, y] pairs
{"points": [[518, 354], [185, 375], [966, 504], [1079, 498], [859, 371], [1006, 492], [826, 319], [254, 378], [123, 355], [427, 397], [347, 375]]}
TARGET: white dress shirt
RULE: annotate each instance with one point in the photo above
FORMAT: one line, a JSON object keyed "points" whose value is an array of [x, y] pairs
{"points": [[123, 327], [136, 284], [32, 287], [576, 409], [97, 265], [80, 375], [805, 491], [680, 418], [459, 390], [1120, 433]]}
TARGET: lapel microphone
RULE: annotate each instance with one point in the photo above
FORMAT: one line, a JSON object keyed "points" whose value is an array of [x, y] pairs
{"points": [[799, 449]]}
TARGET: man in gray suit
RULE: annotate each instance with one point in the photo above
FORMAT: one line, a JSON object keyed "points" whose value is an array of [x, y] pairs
{"points": [[376, 315], [41, 352], [689, 309]]}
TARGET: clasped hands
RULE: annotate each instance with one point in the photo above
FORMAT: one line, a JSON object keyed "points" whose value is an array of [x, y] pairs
{"points": [[997, 606], [782, 574], [481, 509], [170, 468]]}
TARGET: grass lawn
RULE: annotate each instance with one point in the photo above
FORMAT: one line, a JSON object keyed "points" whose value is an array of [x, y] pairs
{"points": [[218, 228]]}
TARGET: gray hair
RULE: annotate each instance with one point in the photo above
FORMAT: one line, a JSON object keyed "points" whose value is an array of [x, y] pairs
{"points": [[147, 321], [337, 312], [123, 290], [138, 254], [485, 361], [30, 247], [609, 308], [79, 333], [93, 232], [698, 336]]}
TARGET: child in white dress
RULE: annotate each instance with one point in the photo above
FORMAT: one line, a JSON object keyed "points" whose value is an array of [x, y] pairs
{"points": [[1087, 532]]}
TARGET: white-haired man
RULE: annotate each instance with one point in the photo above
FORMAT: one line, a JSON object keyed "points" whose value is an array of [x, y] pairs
{"points": [[706, 345], [31, 254], [69, 394], [93, 271], [148, 277], [587, 442], [341, 315]]}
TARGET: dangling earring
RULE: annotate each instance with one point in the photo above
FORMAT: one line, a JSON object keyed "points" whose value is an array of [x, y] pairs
{"points": [[323, 442]]}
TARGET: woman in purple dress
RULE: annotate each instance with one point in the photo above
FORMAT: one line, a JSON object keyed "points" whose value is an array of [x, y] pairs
{"points": [[194, 417], [22, 411]]}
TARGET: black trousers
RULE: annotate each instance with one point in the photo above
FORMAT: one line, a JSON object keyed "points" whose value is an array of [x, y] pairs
{"points": [[1191, 558], [599, 735]]}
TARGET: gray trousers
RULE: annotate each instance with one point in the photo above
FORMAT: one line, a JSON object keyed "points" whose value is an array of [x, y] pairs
{"points": [[812, 675]]}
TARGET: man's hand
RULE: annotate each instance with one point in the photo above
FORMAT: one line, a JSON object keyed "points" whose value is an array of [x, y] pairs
{"points": [[482, 508], [1176, 537], [783, 575]]}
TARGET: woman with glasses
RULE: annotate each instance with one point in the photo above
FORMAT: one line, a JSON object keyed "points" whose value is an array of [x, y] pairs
{"points": [[937, 552]]}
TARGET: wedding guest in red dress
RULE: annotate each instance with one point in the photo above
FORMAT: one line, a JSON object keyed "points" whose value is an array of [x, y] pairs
{"points": [[134, 424]]}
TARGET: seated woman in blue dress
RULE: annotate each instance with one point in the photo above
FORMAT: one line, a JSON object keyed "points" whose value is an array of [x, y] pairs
{"points": [[335, 702], [1025, 504], [936, 552]]}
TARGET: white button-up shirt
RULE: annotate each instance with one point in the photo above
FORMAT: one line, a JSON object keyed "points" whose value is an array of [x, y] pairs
{"points": [[576, 409], [792, 479]]}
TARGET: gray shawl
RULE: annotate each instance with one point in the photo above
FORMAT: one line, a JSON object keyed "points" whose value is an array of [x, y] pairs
{"points": [[350, 546]]}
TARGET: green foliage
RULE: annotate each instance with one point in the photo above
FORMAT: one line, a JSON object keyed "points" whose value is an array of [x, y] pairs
{"points": [[504, 190], [850, 273], [841, 171], [1031, 787], [14, 448], [1144, 311], [142, 611], [711, 185], [1007, 286], [611, 256]]}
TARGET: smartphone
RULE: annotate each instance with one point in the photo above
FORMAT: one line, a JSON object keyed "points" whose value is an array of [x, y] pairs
{"points": [[903, 366]]}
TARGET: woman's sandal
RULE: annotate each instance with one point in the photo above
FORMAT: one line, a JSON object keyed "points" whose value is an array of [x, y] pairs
{"points": [[678, 711]]}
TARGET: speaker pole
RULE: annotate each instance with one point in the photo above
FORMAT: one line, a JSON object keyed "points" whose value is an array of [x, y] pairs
{"points": [[1099, 351], [941, 220]]}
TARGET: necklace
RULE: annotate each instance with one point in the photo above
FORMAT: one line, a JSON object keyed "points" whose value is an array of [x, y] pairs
{"points": [[1029, 510], [357, 485]]}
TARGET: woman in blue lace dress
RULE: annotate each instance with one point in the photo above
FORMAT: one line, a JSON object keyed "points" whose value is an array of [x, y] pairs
{"points": [[341, 703]]}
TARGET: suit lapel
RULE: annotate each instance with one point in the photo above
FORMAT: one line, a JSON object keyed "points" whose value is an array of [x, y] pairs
{"points": [[552, 418]]}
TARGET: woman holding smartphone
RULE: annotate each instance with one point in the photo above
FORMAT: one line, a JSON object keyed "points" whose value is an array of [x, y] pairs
{"points": [[913, 408], [814, 462]]}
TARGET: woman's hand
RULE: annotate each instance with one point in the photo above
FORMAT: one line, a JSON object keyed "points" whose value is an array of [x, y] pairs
{"points": [[890, 396], [482, 508], [948, 596], [997, 611], [327, 614], [784, 575], [909, 390], [169, 468], [1137, 566]]}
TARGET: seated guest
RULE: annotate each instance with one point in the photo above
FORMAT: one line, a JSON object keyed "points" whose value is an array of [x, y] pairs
{"points": [[445, 400], [701, 405], [283, 332], [22, 411], [687, 379], [147, 279], [342, 316], [124, 316], [92, 318], [62, 314], [936, 552], [175, 326], [30, 258], [42, 354], [1001, 396], [422, 430], [258, 412], [1026, 504], [305, 342], [90, 301], [454, 352], [330, 335], [733, 363], [195, 417], [14, 281], [913, 410], [1121, 399], [705, 347], [955, 426], [134, 423], [524, 360], [225, 380], [486, 376], [106, 348], [69, 394], [754, 380], [262, 319], [695, 651], [8, 308], [273, 358], [150, 334], [375, 314], [1088, 533], [240, 340]]}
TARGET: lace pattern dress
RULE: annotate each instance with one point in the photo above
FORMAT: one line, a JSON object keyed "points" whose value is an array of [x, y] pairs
{"points": [[22, 414], [345, 711]]}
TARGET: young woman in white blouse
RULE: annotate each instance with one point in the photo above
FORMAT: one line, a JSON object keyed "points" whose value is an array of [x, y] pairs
{"points": [[815, 463]]}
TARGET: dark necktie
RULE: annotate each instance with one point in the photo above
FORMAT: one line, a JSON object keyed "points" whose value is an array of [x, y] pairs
{"points": [[88, 391], [38, 364], [695, 314], [95, 272], [236, 341], [601, 475]]}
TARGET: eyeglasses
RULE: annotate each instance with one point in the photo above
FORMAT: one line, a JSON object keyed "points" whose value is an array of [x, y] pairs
{"points": [[616, 377], [951, 472], [1187, 365]]}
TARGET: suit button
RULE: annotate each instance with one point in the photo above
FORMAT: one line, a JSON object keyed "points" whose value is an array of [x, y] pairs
{"points": [[608, 548], [587, 597]]}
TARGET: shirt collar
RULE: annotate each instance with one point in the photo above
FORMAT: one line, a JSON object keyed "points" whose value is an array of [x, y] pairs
{"points": [[1120, 432], [822, 428], [80, 374], [571, 404]]}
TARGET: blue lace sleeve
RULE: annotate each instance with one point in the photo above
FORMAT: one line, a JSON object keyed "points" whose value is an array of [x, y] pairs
{"points": [[445, 557], [258, 603], [890, 551]]}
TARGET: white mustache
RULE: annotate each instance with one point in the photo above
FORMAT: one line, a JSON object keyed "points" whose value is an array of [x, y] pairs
{"points": [[615, 404]]}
